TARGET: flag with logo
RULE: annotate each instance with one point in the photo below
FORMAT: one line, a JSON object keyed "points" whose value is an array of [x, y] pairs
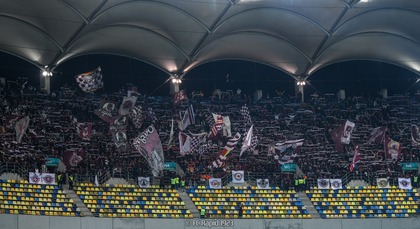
{"points": [[72, 157], [106, 111], [90, 81], [342, 135], [215, 183], [222, 126], [382, 183], [230, 145], [377, 135], [148, 144], [246, 144], [404, 183], [415, 135], [336, 184], [136, 116], [20, 127], [392, 149], [238, 177], [184, 143], [263, 183], [127, 104], [41, 178], [189, 118], [356, 159], [144, 182], [286, 152], [323, 183], [84, 130]]}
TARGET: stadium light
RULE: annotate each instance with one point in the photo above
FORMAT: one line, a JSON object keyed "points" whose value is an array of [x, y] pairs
{"points": [[176, 79], [301, 83]]}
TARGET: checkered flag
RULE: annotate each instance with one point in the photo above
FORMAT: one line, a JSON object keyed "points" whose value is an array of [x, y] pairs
{"points": [[196, 141], [203, 148], [90, 81], [136, 117], [210, 120], [254, 142], [245, 114], [151, 115]]}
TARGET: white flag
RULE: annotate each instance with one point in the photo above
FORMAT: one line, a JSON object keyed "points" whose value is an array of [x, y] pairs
{"points": [[189, 117], [215, 183], [144, 182], [263, 183], [238, 177], [248, 140], [382, 182], [336, 184], [404, 183], [323, 183]]}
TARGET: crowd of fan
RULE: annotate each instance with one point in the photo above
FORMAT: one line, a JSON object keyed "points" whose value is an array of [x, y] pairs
{"points": [[52, 131]]}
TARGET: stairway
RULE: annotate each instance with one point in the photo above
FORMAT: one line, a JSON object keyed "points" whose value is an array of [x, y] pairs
{"points": [[309, 206], [189, 204], [79, 203]]}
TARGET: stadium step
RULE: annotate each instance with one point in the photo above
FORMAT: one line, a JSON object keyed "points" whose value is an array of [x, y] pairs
{"points": [[10, 176], [189, 204], [309, 206], [79, 203]]}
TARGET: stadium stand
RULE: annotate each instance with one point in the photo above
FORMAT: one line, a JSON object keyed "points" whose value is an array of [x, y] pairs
{"points": [[365, 202], [257, 203], [128, 201], [20, 197]]}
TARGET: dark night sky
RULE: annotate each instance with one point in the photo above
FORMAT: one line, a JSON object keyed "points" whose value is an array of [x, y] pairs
{"points": [[356, 77]]}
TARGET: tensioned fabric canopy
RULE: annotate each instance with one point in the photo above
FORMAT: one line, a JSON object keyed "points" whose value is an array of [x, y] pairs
{"points": [[296, 36]]}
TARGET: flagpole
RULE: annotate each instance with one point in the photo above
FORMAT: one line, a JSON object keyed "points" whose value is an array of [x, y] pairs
{"points": [[158, 87]]}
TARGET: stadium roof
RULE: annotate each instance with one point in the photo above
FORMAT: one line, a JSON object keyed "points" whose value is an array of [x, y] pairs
{"points": [[296, 36]]}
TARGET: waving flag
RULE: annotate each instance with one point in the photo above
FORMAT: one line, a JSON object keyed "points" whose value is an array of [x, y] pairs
{"points": [[189, 117], [84, 130], [20, 127], [136, 117], [377, 135], [248, 140], [347, 131], [127, 104], [415, 135], [342, 135], [222, 126], [287, 151], [90, 81], [245, 114], [72, 157], [230, 145], [356, 159], [148, 144], [171, 134], [184, 143], [392, 149], [179, 97], [106, 111]]}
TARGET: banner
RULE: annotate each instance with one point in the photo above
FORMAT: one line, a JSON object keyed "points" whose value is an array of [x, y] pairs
{"points": [[392, 149], [410, 166], [90, 81], [148, 144], [238, 177], [120, 140], [215, 183], [127, 104], [144, 182], [404, 183], [52, 162], [263, 183], [336, 184], [41, 178], [287, 151], [290, 167], [106, 111], [169, 165], [382, 183], [415, 135], [323, 183]]}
